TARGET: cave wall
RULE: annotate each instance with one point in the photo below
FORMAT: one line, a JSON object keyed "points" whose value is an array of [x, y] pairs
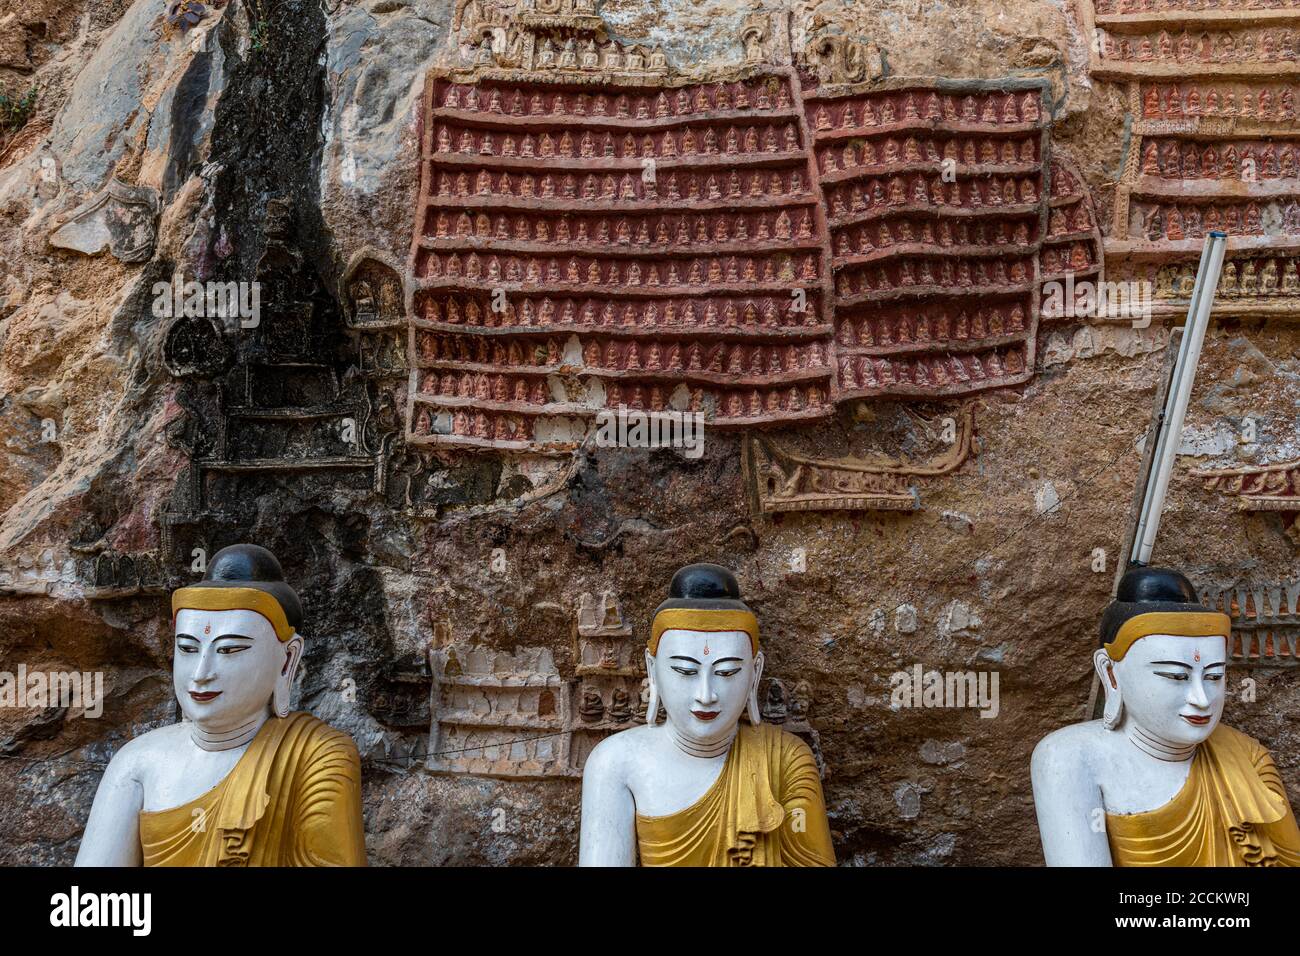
{"points": [[295, 145]]}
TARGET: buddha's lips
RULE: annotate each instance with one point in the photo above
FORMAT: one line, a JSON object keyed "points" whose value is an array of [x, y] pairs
{"points": [[1198, 721], [204, 696], [706, 714]]}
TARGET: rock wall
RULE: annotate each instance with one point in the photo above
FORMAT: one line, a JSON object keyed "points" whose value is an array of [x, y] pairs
{"points": [[910, 457]]}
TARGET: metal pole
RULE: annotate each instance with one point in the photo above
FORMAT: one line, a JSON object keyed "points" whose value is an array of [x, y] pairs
{"points": [[1178, 395]]}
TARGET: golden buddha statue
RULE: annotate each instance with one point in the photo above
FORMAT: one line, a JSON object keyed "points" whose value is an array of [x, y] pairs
{"points": [[240, 781], [703, 789], [1158, 781]]}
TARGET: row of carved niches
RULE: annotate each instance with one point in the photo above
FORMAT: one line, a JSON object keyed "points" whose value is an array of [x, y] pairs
{"points": [[734, 406], [1238, 160], [653, 234], [882, 112], [1263, 103], [738, 140], [937, 325], [1111, 7], [863, 156], [780, 271], [114, 575], [1069, 221], [491, 188], [1243, 278], [1161, 221], [912, 234], [1265, 621], [1076, 258], [497, 102], [513, 424], [779, 313], [723, 363], [918, 275], [849, 202], [950, 373], [497, 713], [1249, 47]]}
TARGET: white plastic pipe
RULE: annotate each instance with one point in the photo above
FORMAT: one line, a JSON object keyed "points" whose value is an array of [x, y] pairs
{"points": [[1178, 395]]}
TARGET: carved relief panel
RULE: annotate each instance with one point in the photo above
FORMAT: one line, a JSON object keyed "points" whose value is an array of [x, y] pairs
{"points": [[1212, 88], [936, 205]]}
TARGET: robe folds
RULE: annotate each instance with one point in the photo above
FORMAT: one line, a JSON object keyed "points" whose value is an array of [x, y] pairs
{"points": [[765, 809], [293, 799], [1232, 811]]}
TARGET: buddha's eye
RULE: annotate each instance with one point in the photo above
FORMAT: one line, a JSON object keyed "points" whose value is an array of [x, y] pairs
{"points": [[233, 648], [187, 648], [1214, 677], [686, 671], [1171, 675], [730, 672]]}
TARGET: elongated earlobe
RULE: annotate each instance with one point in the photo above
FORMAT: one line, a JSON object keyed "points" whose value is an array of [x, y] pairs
{"points": [[1113, 713], [284, 681], [652, 705], [756, 715]]}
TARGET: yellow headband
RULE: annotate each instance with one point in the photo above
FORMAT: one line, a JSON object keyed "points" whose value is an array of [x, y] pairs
{"points": [[233, 599], [1178, 623], [701, 619]]}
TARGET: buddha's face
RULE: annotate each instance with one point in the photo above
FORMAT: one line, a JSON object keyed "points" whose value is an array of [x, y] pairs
{"points": [[704, 680], [226, 666], [1172, 686]]}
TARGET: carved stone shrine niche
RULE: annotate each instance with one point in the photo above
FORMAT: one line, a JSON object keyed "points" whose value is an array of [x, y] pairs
{"points": [[517, 714], [1212, 88], [282, 407], [788, 706], [1261, 488], [498, 713], [782, 478], [936, 205], [120, 218], [1265, 622], [610, 666]]}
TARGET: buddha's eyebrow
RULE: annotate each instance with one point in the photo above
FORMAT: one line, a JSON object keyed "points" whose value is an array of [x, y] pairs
{"points": [[1174, 663], [678, 657], [188, 636], [728, 660]]}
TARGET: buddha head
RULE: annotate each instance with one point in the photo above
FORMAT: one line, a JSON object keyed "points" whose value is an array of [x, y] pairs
{"points": [[237, 643], [703, 660], [1163, 658]]}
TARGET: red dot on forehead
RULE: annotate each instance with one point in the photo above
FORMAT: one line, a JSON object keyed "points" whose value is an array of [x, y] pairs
{"points": [[706, 647]]}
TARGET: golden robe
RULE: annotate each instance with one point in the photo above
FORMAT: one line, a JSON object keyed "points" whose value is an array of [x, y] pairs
{"points": [[1232, 811], [765, 809], [293, 799]]}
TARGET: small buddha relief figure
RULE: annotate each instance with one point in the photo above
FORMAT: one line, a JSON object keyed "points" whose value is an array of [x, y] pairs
{"points": [[1159, 780], [703, 788], [240, 781]]}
